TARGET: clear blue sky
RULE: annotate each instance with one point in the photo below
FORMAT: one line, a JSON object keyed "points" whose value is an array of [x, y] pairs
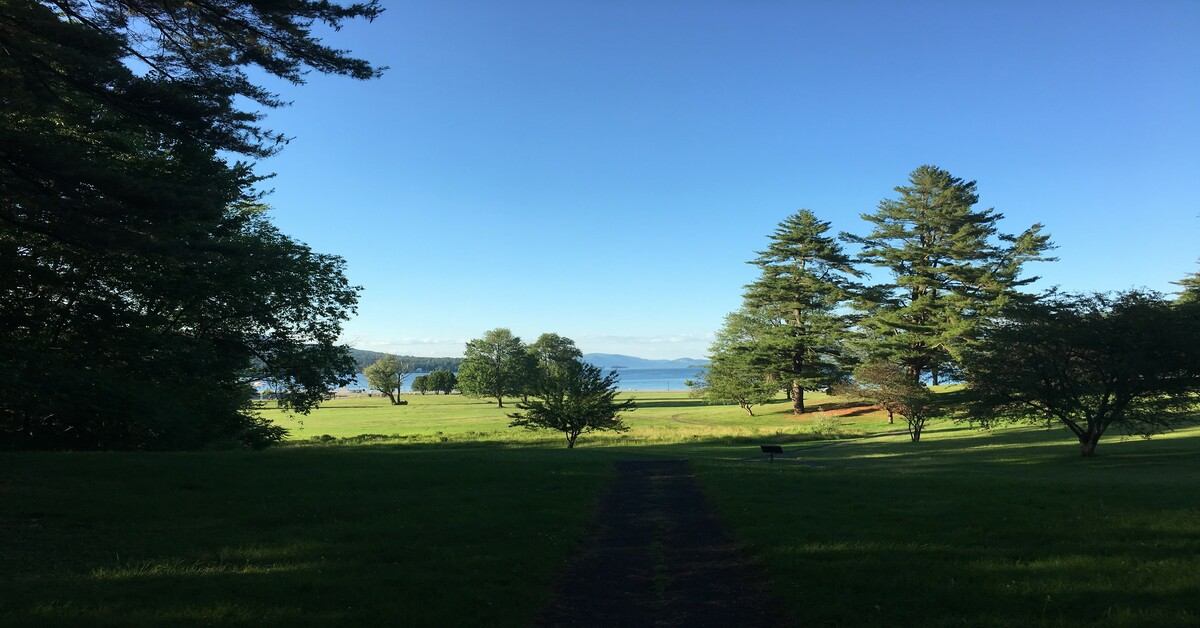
{"points": [[604, 169]]}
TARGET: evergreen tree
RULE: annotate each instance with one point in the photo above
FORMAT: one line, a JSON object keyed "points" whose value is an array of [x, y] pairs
{"points": [[951, 269], [1190, 285], [495, 365], [746, 361], [805, 277]]}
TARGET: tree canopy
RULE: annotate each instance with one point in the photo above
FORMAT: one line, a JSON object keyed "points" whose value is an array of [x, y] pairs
{"points": [[387, 376], [495, 365], [951, 269], [574, 399], [1090, 362], [804, 277], [749, 359], [145, 287]]}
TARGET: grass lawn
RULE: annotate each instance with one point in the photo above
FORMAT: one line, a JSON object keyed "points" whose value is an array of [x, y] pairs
{"points": [[661, 417], [292, 536], [973, 529], [965, 528]]}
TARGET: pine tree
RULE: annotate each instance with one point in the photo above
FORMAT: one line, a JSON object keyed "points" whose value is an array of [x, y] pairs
{"points": [[951, 268], [746, 361], [1190, 285], [804, 277]]}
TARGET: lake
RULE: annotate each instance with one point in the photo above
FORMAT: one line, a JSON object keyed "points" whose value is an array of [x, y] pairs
{"points": [[631, 379]]}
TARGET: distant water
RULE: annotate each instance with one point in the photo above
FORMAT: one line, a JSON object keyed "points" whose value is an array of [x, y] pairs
{"points": [[630, 379]]}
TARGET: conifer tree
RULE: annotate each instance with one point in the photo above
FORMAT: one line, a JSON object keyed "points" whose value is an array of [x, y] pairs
{"points": [[746, 360], [951, 268], [804, 277], [1190, 285]]}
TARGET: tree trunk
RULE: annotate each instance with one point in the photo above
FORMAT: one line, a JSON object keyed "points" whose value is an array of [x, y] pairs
{"points": [[499, 402], [391, 397], [797, 390], [1087, 443], [571, 440], [797, 398], [933, 373], [891, 417], [746, 407]]}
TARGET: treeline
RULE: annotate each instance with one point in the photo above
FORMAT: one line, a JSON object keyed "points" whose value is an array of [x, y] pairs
{"points": [[558, 390], [364, 358], [952, 307]]}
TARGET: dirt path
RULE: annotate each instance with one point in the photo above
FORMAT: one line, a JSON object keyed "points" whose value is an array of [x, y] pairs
{"points": [[657, 556]]}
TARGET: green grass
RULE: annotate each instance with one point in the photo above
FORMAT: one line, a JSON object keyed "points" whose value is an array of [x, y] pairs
{"points": [[973, 529], [295, 536], [661, 417], [966, 528]]}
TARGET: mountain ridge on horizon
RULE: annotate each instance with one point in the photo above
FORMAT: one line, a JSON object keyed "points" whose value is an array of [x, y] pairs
{"points": [[603, 360]]}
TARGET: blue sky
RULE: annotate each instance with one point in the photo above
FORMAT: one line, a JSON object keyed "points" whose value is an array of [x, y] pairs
{"points": [[604, 169]]}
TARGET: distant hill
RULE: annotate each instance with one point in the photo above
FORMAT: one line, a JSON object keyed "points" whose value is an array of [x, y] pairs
{"points": [[603, 360], [427, 365], [615, 360]]}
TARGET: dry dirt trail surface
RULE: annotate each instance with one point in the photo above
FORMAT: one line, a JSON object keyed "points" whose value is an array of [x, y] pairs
{"points": [[657, 556]]}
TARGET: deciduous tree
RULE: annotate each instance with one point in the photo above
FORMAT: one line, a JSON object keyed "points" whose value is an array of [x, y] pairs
{"points": [[574, 400], [387, 376], [495, 365], [144, 287], [1090, 362]]}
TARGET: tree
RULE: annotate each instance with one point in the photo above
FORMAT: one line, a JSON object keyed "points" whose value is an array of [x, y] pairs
{"points": [[804, 277], [494, 366], [144, 287], [1190, 285], [442, 381], [387, 376], [1090, 362], [420, 384], [747, 361], [548, 354], [575, 400], [890, 387], [951, 269]]}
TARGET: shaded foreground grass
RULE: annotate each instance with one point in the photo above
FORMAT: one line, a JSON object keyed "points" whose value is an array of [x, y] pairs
{"points": [[974, 529], [964, 528], [308, 536]]}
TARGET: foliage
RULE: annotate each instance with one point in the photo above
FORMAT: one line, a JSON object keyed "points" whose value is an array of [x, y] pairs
{"points": [[144, 286], [952, 269], [891, 387], [420, 384], [746, 357], [387, 376], [442, 381], [1190, 292], [574, 399], [1090, 362], [364, 358], [495, 365], [804, 277]]}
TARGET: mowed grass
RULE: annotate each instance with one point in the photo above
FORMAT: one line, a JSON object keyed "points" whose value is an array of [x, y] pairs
{"points": [[660, 417], [969, 528], [294, 536]]}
